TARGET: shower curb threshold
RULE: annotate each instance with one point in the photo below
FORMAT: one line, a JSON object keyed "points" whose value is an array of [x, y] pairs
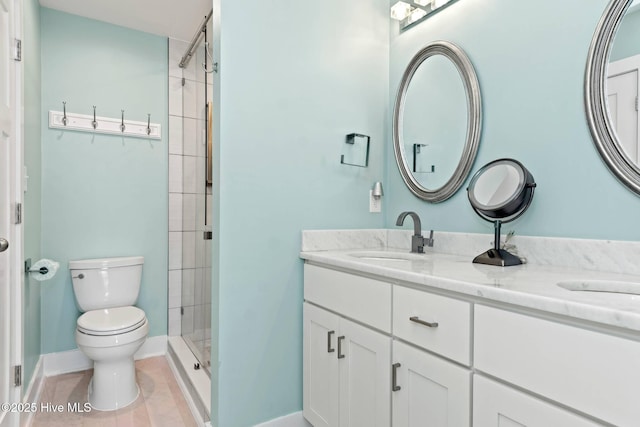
{"points": [[195, 384]]}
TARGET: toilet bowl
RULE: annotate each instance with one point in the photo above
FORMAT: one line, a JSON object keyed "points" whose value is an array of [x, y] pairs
{"points": [[111, 329]]}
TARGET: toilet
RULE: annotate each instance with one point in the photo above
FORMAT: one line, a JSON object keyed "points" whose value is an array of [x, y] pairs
{"points": [[111, 329]]}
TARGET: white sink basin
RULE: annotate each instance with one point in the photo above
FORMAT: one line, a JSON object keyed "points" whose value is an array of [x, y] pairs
{"points": [[609, 286], [392, 256]]}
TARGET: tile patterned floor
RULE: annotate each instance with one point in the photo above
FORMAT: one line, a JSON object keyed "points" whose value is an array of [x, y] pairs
{"points": [[160, 403]]}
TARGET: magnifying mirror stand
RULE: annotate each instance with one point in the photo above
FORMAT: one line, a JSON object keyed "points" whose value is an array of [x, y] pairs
{"points": [[497, 256]]}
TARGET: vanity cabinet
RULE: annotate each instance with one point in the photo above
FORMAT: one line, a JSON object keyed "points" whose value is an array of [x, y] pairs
{"points": [[346, 371], [497, 405], [385, 354], [429, 391], [347, 354], [592, 372], [347, 380]]}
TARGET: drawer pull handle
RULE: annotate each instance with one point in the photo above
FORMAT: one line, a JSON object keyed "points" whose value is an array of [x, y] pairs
{"points": [[423, 322], [394, 377], [340, 355], [329, 349]]}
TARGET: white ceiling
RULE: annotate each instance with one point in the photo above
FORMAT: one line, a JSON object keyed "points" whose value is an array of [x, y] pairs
{"points": [[178, 19]]}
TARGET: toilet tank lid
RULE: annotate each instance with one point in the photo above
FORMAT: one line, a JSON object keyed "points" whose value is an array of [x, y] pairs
{"points": [[99, 263]]}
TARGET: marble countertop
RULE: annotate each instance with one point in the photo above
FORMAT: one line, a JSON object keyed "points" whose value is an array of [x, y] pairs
{"points": [[529, 285]]}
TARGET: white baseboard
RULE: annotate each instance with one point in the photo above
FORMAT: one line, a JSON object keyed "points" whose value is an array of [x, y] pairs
{"points": [[152, 347], [33, 392], [75, 360], [292, 420]]}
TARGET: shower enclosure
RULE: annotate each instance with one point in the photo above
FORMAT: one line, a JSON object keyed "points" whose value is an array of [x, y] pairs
{"points": [[190, 214], [196, 243]]}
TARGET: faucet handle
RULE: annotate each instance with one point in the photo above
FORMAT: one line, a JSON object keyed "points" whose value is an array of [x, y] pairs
{"points": [[429, 241]]}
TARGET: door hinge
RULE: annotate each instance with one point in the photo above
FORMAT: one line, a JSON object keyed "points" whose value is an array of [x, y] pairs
{"points": [[18, 50], [636, 103], [17, 376], [184, 81], [18, 214]]}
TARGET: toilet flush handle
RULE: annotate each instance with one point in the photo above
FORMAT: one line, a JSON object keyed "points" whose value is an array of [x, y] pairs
{"points": [[79, 276]]}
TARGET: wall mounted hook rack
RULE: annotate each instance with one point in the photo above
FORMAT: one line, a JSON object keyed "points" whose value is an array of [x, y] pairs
{"points": [[106, 125]]}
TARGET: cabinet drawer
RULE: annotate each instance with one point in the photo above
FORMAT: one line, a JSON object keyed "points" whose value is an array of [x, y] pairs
{"points": [[360, 298], [496, 405], [451, 336], [595, 373]]}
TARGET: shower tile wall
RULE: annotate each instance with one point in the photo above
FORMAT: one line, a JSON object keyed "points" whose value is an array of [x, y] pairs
{"points": [[189, 256]]}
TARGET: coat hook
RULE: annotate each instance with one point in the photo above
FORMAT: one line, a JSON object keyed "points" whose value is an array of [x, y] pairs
{"points": [[94, 123], [122, 126], [148, 124], [64, 117]]}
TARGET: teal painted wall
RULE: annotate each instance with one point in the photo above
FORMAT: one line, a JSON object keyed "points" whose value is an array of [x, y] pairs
{"points": [[32, 197], [102, 195], [530, 58], [295, 78], [627, 41]]}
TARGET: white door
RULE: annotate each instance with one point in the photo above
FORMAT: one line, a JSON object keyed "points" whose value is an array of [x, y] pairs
{"points": [[433, 392], [365, 376], [622, 96], [496, 405], [9, 245], [320, 370]]}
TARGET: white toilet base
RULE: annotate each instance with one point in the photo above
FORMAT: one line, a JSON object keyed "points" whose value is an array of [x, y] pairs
{"points": [[113, 385]]}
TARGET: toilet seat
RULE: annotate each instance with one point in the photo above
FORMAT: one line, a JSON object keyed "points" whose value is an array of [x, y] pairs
{"points": [[111, 321]]}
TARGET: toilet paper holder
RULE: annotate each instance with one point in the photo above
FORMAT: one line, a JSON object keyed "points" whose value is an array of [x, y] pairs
{"points": [[28, 269]]}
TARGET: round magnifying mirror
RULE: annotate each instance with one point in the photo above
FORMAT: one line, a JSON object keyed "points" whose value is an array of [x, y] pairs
{"points": [[500, 192]]}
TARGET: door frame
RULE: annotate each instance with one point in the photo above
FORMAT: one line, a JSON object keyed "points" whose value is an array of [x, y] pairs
{"points": [[16, 231]]}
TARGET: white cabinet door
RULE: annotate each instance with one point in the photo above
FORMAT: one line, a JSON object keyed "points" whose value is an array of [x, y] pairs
{"points": [[496, 405], [433, 392], [320, 369], [365, 376]]}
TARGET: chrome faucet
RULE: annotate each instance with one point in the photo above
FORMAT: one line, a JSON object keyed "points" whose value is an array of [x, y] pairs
{"points": [[418, 242]]}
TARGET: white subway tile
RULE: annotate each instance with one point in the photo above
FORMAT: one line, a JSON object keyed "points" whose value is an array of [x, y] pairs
{"points": [[189, 99], [175, 328], [187, 321], [201, 143], [188, 249], [175, 212], [175, 250], [175, 288], [188, 286], [175, 135], [177, 48], [189, 174], [189, 212], [175, 174], [190, 137], [175, 96]]}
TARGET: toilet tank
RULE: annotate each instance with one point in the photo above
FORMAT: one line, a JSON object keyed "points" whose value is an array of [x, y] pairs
{"points": [[106, 282]]}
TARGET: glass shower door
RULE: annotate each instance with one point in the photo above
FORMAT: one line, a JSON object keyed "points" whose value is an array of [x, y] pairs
{"points": [[196, 245]]}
